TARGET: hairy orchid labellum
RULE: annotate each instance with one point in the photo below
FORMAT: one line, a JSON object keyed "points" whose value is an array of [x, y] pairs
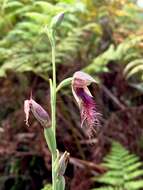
{"points": [[39, 113], [89, 115]]}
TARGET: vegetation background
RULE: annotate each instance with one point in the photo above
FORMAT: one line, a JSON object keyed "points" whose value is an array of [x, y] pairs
{"points": [[101, 37]]}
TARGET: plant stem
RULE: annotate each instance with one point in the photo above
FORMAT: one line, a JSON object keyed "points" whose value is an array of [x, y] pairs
{"points": [[53, 106], [53, 173]]}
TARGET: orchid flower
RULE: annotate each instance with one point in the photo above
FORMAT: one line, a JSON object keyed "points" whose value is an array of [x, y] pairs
{"points": [[89, 115], [39, 113]]}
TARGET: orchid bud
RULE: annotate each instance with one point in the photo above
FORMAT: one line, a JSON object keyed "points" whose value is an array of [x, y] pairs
{"points": [[39, 113], [56, 21], [62, 164], [86, 103]]}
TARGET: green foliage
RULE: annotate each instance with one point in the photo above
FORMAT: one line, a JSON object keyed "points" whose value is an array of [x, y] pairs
{"points": [[24, 47], [134, 67], [99, 64], [47, 187], [124, 170]]}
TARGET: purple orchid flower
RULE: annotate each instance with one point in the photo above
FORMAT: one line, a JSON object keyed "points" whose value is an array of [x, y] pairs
{"points": [[39, 113], [89, 115]]}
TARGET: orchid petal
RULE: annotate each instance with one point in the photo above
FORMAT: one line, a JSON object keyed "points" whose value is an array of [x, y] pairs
{"points": [[84, 77], [27, 110], [86, 103], [39, 113]]}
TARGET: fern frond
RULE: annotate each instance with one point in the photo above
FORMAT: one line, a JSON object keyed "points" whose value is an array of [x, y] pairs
{"points": [[124, 170], [37, 58], [99, 64], [133, 67], [105, 188]]}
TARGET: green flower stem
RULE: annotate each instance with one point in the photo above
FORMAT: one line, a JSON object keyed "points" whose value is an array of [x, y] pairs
{"points": [[53, 108], [53, 102], [57, 183], [64, 83], [53, 173], [53, 82], [51, 36]]}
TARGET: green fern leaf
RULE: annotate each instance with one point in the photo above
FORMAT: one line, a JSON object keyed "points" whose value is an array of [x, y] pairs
{"points": [[124, 170]]}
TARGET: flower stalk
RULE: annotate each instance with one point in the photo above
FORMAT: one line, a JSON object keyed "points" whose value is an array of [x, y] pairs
{"points": [[51, 35], [53, 86], [89, 115], [58, 183]]}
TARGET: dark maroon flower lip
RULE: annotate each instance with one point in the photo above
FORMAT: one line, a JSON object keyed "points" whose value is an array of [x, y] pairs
{"points": [[90, 117], [87, 105], [80, 92], [88, 111]]}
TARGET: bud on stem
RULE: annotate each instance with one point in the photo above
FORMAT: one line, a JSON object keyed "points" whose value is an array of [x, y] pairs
{"points": [[39, 113], [61, 163], [56, 21]]}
